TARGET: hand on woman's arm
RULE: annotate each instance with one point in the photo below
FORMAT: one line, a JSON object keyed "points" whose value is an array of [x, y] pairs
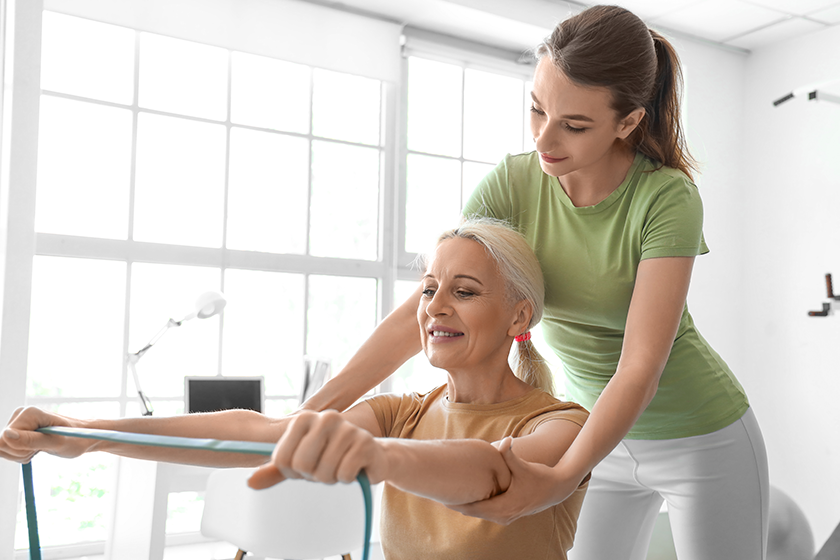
{"points": [[20, 442], [652, 322], [330, 447], [395, 340]]}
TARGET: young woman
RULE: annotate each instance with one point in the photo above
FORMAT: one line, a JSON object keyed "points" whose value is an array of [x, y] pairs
{"points": [[483, 288], [607, 203]]}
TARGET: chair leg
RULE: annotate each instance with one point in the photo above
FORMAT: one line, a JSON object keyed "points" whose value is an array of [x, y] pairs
{"points": [[240, 554]]}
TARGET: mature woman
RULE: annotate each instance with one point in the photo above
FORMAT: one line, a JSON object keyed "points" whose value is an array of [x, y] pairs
{"points": [[608, 204], [482, 289]]}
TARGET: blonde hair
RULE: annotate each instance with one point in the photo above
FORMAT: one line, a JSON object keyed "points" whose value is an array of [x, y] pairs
{"points": [[519, 267]]}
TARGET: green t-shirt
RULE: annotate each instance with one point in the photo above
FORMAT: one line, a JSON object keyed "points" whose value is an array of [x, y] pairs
{"points": [[589, 257]]}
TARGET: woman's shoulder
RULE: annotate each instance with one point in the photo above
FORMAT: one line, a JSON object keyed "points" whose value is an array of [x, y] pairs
{"points": [[656, 185], [543, 400], [395, 411], [546, 407], [523, 162], [414, 399], [653, 174]]}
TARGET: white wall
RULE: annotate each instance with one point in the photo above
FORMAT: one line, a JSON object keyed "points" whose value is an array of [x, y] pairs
{"points": [[714, 128], [791, 221]]}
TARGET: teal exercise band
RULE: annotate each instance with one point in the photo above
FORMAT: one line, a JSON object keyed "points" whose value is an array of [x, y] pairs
{"points": [[250, 447], [31, 518]]}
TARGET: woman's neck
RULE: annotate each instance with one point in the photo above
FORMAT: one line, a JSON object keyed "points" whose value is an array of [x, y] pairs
{"points": [[594, 183], [485, 387]]}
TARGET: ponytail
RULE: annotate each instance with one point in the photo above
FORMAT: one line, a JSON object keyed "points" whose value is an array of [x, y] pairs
{"points": [[660, 134], [531, 367]]}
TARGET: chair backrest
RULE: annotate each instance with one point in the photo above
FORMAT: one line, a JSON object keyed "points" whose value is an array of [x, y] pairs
{"points": [[316, 372], [294, 519]]}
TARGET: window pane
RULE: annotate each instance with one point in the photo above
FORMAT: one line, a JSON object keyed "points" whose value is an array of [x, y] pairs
{"points": [[73, 497], [179, 189], [473, 174], [269, 93], [280, 407], [417, 374], [433, 199], [528, 144], [183, 77], [84, 169], [493, 115], [262, 328], [345, 201], [434, 107], [341, 314], [87, 58], [345, 107], [76, 327], [267, 194], [158, 293]]}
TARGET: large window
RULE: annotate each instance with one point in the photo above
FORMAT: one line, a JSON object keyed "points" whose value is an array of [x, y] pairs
{"points": [[168, 167]]}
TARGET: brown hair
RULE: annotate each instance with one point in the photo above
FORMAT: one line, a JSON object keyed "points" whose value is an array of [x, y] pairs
{"points": [[608, 46]]}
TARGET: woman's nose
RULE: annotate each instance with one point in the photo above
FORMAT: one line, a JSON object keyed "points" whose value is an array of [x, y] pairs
{"points": [[438, 305], [545, 139]]}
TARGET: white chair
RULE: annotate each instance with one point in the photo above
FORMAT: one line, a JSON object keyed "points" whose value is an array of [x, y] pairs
{"points": [[294, 519]]}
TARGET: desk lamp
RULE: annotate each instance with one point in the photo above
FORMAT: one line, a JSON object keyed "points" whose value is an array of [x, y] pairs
{"points": [[207, 305]]}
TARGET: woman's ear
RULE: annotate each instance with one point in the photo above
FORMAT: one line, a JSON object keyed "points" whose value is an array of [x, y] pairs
{"points": [[629, 123], [523, 311]]}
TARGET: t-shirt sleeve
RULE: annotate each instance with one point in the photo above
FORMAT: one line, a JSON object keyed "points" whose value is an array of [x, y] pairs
{"points": [[491, 197], [386, 408], [576, 414], [674, 222]]}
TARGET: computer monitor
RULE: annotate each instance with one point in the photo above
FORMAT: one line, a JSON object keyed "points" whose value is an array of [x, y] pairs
{"points": [[209, 394]]}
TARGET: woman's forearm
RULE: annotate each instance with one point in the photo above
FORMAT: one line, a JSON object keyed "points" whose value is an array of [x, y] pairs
{"points": [[614, 414], [244, 425], [450, 471], [395, 340]]}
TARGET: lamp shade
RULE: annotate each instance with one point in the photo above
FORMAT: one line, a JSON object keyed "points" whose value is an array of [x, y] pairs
{"points": [[209, 304]]}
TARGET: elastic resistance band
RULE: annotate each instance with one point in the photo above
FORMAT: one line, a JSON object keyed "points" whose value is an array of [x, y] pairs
{"points": [[250, 447]]}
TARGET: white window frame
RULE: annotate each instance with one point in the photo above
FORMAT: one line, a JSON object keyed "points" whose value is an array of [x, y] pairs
{"points": [[458, 52], [20, 242]]}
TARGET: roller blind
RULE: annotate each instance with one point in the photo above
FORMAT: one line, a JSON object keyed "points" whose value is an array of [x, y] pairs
{"points": [[290, 30]]}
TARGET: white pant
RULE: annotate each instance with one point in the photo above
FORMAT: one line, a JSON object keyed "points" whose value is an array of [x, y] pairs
{"points": [[716, 486]]}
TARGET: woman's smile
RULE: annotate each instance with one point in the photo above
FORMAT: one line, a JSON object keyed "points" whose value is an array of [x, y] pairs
{"points": [[440, 334], [548, 159]]}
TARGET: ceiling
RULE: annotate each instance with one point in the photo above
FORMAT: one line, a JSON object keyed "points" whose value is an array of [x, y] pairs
{"points": [[742, 25]]}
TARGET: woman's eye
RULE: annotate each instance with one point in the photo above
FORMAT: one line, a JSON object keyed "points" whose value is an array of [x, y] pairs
{"points": [[464, 293], [537, 111], [573, 129], [428, 292]]}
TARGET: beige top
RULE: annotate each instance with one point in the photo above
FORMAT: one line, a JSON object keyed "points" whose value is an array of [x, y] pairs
{"points": [[415, 528]]}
